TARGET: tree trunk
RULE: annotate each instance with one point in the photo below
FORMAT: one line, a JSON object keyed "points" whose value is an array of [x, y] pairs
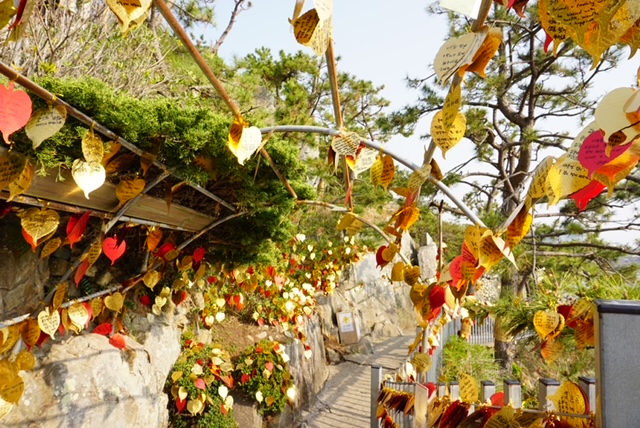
{"points": [[503, 343]]}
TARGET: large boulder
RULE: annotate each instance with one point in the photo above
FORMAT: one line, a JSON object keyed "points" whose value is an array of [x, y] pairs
{"points": [[83, 381]]}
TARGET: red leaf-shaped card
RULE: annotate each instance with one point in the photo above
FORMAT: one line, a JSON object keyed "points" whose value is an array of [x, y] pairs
{"points": [[15, 110], [103, 329], [592, 152], [112, 250], [77, 226], [81, 271], [583, 196], [118, 341]]}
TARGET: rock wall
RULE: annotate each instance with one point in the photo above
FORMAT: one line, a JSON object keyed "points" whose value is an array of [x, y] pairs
{"points": [[83, 381], [382, 308]]}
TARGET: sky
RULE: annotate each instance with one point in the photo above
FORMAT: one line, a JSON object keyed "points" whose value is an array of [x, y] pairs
{"points": [[376, 42]]}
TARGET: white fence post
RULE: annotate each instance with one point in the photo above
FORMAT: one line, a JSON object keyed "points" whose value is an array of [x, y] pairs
{"points": [[617, 347], [376, 382], [546, 388]]}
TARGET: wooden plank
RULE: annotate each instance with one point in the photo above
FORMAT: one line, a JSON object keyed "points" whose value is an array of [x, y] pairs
{"points": [[62, 188]]}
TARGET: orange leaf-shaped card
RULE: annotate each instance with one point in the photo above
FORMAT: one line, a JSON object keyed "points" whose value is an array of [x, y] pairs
{"points": [[487, 51], [313, 29], [382, 171], [558, 31], [519, 227], [446, 138], [551, 350]]}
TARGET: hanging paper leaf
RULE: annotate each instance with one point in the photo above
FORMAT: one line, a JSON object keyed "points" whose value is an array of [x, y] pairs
{"points": [[616, 170], [129, 189], [364, 159], [537, 189], [96, 307], [612, 119], [468, 388], [153, 238], [383, 171], [104, 329], [151, 278], [49, 321], [397, 273], [592, 152], [15, 110], [112, 250], [94, 252], [7, 11], [12, 388], [39, 224], [632, 38], [11, 166], [555, 31], [78, 315], [569, 398], [451, 106], [417, 179], [519, 228], [76, 227], [411, 274], [505, 418], [117, 341], [81, 271], [243, 140], [346, 143], [130, 13], [89, 176], [45, 123], [446, 138], [545, 322], [120, 163], [313, 30], [58, 297], [114, 302], [30, 332], [457, 52], [484, 54], [599, 38], [92, 147], [564, 178], [112, 149], [584, 334], [22, 183]]}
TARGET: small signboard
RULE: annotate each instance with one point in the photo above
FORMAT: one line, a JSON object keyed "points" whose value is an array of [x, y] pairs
{"points": [[348, 328]]}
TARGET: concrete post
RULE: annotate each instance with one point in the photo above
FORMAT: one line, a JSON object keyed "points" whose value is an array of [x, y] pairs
{"points": [[487, 389], [513, 393], [588, 385], [546, 388], [617, 346], [376, 383]]}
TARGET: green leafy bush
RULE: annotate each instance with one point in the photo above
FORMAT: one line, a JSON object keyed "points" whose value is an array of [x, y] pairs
{"points": [[263, 374]]}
